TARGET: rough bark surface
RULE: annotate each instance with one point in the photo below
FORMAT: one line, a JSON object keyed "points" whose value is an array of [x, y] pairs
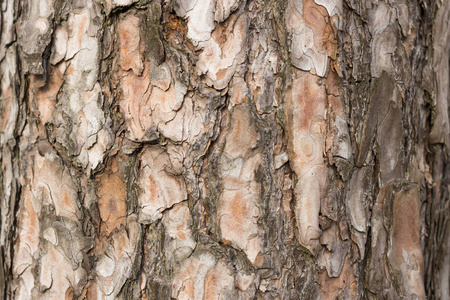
{"points": [[224, 149]]}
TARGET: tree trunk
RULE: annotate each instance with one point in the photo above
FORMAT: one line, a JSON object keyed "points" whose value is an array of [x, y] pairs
{"points": [[224, 149]]}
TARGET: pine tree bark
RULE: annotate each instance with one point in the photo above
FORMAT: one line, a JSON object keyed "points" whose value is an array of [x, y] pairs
{"points": [[224, 149]]}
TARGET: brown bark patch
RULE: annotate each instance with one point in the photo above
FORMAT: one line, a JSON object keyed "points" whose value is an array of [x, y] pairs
{"points": [[112, 200]]}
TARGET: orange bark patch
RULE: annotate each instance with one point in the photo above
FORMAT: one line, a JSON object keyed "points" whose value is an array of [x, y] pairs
{"points": [[305, 113], [238, 219], [130, 57], [211, 285], [315, 17], [134, 104], [216, 280], [152, 188], [343, 287], [46, 96], [6, 110], [239, 210], [183, 286], [154, 194], [238, 91], [30, 224], [66, 200], [70, 294], [406, 256], [78, 26], [146, 104], [112, 200], [309, 101], [89, 291], [223, 51], [159, 189], [243, 136], [221, 74], [329, 41], [52, 181], [405, 234], [180, 232], [174, 27], [165, 100]]}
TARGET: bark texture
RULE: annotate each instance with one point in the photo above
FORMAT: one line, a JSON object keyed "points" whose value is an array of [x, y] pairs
{"points": [[224, 149]]}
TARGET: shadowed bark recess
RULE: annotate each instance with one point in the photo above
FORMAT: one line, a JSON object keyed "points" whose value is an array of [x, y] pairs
{"points": [[224, 149]]}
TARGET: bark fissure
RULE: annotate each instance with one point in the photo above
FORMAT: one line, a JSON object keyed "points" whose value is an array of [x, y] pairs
{"points": [[224, 149]]}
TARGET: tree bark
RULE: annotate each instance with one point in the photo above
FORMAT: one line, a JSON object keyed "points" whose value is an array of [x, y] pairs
{"points": [[224, 149]]}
